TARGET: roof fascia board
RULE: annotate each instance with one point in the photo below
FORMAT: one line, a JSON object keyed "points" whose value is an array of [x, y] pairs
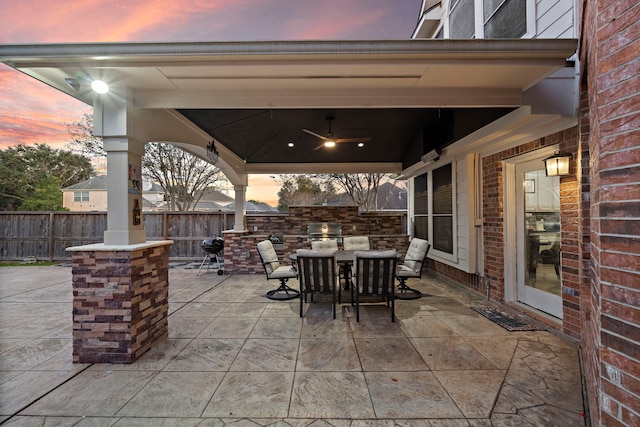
{"points": [[100, 52]]}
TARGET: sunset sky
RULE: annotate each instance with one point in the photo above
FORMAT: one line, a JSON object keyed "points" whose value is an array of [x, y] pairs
{"points": [[31, 112]]}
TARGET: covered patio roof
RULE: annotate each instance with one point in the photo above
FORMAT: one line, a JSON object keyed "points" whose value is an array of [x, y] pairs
{"points": [[401, 97]]}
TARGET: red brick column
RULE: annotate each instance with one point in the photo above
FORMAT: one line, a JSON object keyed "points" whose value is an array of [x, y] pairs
{"points": [[120, 301], [610, 42]]}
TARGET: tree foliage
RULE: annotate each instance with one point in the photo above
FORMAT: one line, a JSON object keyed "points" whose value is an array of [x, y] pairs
{"points": [[82, 139], [183, 176], [303, 190], [361, 187], [31, 177]]}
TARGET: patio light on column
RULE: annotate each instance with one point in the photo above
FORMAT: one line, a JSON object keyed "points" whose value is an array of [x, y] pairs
{"points": [[558, 164], [100, 87], [212, 153]]}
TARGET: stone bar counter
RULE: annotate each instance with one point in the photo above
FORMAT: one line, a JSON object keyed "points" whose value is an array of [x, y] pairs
{"points": [[120, 300]]}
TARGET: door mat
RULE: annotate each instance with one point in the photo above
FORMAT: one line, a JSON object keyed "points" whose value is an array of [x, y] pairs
{"points": [[505, 320]]}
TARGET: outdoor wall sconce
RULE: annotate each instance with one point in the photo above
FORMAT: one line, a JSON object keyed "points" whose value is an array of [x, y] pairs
{"points": [[558, 164], [212, 153], [73, 83]]}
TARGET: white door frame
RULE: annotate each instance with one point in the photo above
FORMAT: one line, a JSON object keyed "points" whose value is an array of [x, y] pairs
{"points": [[512, 246]]}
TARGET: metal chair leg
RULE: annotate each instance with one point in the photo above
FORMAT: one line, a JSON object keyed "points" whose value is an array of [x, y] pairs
{"points": [[283, 292], [405, 292]]}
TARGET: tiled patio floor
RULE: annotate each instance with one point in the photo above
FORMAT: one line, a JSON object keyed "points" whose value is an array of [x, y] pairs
{"points": [[235, 358]]}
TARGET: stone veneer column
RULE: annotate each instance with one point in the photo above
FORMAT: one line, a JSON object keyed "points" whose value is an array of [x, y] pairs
{"points": [[120, 300]]}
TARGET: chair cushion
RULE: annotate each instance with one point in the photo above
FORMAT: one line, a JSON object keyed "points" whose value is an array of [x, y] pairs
{"points": [[324, 244], [312, 252], [268, 255], [375, 254], [416, 253], [356, 243], [283, 271]]}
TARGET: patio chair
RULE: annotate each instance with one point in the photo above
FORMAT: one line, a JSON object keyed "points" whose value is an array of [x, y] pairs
{"points": [[317, 274], [320, 245], [275, 271], [356, 243], [374, 276], [552, 256], [412, 267], [352, 243]]}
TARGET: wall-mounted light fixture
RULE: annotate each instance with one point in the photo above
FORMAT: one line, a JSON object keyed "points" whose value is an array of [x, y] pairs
{"points": [[431, 156], [212, 153], [73, 83], [558, 164]]}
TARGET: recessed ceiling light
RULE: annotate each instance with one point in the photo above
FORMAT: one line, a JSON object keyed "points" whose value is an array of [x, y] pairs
{"points": [[360, 144], [291, 145]]}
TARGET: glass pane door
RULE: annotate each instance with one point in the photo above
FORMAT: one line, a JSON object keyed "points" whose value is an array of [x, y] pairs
{"points": [[539, 228]]}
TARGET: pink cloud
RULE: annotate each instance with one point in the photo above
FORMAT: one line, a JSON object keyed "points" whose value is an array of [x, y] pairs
{"points": [[32, 112]]}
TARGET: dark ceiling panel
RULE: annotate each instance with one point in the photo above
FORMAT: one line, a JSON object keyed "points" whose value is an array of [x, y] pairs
{"points": [[397, 135]]}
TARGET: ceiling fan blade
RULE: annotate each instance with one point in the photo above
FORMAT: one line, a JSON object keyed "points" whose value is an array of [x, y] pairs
{"points": [[318, 147], [314, 134], [339, 140]]}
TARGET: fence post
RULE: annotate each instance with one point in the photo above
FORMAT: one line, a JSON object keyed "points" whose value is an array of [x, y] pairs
{"points": [[51, 240], [165, 227]]}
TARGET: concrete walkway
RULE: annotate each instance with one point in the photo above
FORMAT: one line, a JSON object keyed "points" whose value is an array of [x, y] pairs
{"points": [[235, 358]]}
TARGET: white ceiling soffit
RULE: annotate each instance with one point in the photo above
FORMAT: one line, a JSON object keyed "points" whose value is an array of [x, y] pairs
{"points": [[389, 73]]}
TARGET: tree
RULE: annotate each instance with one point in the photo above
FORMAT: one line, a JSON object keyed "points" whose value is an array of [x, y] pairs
{"points": [[361, 187], [182, 176], [37, 174], [46, 197], [82, 139], [303, 190]]}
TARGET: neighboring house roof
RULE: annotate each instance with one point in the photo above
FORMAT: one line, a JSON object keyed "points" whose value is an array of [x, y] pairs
{"points": [[253, 207], [205, 205], [210, 194], [391, 197], [93, 184]]}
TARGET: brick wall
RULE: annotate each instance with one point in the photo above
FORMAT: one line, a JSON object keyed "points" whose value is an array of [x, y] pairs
{"points": [[120, 303], [610, 61], [385, 231], [570, 226]]}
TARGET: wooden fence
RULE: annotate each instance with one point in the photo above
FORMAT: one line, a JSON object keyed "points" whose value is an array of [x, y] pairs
{"points": [[46, 235]]}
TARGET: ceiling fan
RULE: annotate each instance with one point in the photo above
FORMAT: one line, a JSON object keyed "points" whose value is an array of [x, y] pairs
{"points": [[330, 141]]}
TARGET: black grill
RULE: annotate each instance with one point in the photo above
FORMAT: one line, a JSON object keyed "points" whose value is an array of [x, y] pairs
{"points": [[212, 246]]}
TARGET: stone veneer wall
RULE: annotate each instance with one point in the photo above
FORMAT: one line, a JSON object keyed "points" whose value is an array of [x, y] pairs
{"points": [[385, 231], [120, 303]]}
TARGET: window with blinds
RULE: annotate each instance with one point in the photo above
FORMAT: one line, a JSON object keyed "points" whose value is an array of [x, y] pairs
{"points": [[500, 19], [505, 19], [421, 207], [461, 20], [80, 196], [443, 209]]}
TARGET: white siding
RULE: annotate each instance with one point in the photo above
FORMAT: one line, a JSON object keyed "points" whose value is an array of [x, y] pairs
{"points": [[462, 213], [554, 19]]}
